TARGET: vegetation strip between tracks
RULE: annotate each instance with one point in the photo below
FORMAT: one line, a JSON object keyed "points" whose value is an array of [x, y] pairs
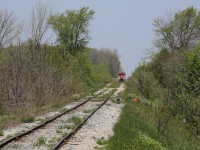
{"points": [[68, 136], [7, 141]]}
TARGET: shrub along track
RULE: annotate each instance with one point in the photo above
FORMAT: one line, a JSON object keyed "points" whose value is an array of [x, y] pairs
{"points": [[12, 143]]}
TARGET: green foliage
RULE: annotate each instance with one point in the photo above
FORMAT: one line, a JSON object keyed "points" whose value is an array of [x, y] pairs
{"points": [[78, 71], [145, 82], [40, 141], [76, 120], [175, 87], [180, 31], [115, 85], [188, 94], [72, 29], [27, 119], [66, 126], [108, 57], [144, 142], [52, 142], [88, 110], [81, 68], [158, 63], [171, 79], [64, 110], [60, 131], [137, 129], [180, 137], [5, 119], [135, 120], [100, 74], [192, 69]]}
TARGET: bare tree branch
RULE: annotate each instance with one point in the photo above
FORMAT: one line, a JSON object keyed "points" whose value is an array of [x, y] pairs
{"points": [[39, 22], [9, 28]]}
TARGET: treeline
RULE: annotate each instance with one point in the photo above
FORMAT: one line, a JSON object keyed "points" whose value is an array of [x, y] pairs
{"points": [[170, 80], [108, 57], [35, 74]]}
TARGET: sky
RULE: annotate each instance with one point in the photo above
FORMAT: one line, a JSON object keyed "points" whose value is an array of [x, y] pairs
{"points": [[125, 25]]}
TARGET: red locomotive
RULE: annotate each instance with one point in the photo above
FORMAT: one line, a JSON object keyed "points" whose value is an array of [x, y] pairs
{"points": [[122, 76]]}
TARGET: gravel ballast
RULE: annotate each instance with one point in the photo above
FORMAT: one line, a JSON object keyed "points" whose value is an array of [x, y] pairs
{"points": [[98, 127]]}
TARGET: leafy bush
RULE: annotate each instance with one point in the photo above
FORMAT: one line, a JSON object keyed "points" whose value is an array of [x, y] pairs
{"points": [[145, 82], [144, 142]]}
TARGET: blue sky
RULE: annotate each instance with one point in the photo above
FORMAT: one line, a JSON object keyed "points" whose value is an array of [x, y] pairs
{"points": [[123, 25]]}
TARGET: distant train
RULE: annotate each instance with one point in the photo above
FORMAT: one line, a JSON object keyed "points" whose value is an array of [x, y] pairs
{"points": [[122, 76]]}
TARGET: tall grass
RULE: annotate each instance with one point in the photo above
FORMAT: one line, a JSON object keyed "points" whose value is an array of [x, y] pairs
{"points": [[136, 130], [132, 125]]}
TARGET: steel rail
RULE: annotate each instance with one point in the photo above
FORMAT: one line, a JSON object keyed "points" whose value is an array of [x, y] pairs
{"points": [[68, 136], [18, 136]]}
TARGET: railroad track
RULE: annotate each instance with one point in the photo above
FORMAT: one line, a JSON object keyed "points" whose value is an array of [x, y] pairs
{"points": [[68, 136], [19, 136]]}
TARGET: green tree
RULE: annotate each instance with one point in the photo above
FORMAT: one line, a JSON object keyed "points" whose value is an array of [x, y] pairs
{"points": [[72, 29], [108, 57], [180, 31], [192, 70], [158, 63], [186, 91]]}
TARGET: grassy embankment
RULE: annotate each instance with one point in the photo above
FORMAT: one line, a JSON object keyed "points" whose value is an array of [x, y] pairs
{"points": [[137, 130]]}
